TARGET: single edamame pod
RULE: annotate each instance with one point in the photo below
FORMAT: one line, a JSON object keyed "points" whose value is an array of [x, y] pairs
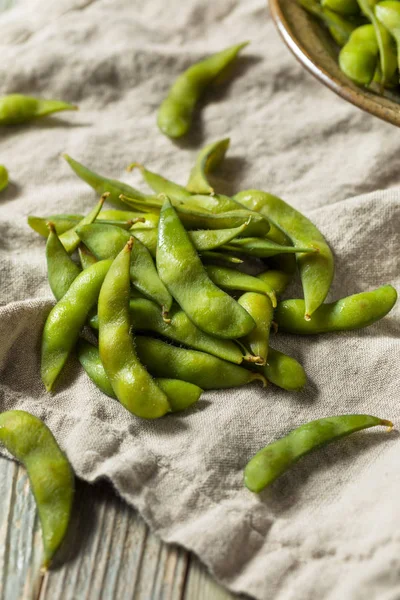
{"points": [[347, 8], [316, 269], [217, 257], [339, 27], [180, 394], [70, 239], [358, 59], [16, 108], [204, 370], [61, 223], [207, 160], [176, 111], [263, 248], [277, 280], [180, 268], [3, 178], [261, 310], [276, 458], [388, 13], [87, 259], [160, 185], [103, 184], [132, 384], [61, 269], [284, 371], [66, 319], [146, 317], [52, 480], [387, 53], [231, 279], [346, 314]]}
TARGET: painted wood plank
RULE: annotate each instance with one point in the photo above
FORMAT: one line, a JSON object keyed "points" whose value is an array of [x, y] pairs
{"points": [[201, 586]]}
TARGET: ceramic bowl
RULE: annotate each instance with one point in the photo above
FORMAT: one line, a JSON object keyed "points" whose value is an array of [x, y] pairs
{"points": [[312, 45]]}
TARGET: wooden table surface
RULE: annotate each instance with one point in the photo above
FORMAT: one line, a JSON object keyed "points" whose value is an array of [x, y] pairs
{"points": [[112, 555]]}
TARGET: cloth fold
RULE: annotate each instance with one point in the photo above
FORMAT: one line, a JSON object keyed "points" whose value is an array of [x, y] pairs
{"points": [[326, 529]]}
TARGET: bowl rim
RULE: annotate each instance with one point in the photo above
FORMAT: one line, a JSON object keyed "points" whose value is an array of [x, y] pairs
{"points": [[382, 107]]}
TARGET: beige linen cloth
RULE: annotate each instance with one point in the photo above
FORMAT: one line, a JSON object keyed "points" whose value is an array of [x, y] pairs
{"points": [[329, 529]]}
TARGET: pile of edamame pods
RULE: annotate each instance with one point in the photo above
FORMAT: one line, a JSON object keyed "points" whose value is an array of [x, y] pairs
{"points": [[155, 297], [368, 32]]}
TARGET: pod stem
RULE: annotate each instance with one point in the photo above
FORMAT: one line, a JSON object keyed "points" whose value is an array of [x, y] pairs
{"points": [[259, 376], [387, 424], [135, 165], [165, 316]]}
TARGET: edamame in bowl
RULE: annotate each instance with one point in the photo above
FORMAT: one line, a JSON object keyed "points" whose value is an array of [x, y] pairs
{"points": [[353, 54]]}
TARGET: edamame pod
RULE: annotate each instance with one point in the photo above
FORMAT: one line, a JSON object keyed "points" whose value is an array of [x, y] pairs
{"points": [[342, 7], [217, 257], [358, 59], [284, 371], [66, 319], [316, 270], [261, 310], [352, 312], [145, 317], [107, 241], [70, 239], [61, 269], [388, 13], [16, 108], [175, 113], [52, 480], [61, 223], [132, 384], [277, 280], [180, 394], [3, 178], [114, 216], [180, 268], [103, 184], [207, 160], [87, 259], [276, 458], [339, 27], [204, 370], [263, 248], [160, 185], [231, 279]]}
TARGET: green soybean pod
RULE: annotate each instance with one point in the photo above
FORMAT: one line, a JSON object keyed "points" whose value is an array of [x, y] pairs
{"points": [[263, 248], [3, 178], [66, 319], [52, 480], [61, 223], [107, 241], [146, 317], [103, 184], [276, 458], [209, 158], [316, 269], [160, 184], [181, 269], [261, 310], [339, 27], [61, 269], [16, 108], [136, 218], [347, 8], [180, 394], [231, 279], [277, 280], [132, 384], [346, 314], [387, 54], [87, 259], [176, 111], [284, 371], [358, 59], [70, 239], [388, 13], [212, 257], [199, 368]]}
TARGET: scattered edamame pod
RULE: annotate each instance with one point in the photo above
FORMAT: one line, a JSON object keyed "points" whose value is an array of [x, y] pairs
{"points": [[263, 248], [180, 268], [176, 111], [231, 279], [276, 458], [66, 319], [87, 259], [30, 441], [346, 314], [284, 371], [160, 185], [207, 160], [61, 269], [132, 384], [70, 239], [146, 317], [204, 370], [259, 307], [358, 59], [316, 269], [16, 108], [103, 184], [277, 280], [3, 178], [180, 394], [61, 223]]}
